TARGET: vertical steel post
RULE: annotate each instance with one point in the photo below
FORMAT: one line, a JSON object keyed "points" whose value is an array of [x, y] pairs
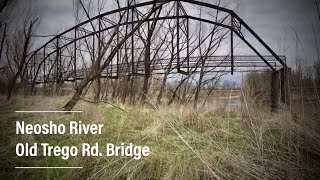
{"points": [[44, 64], [99, 44], [147, 64], [118, 54], [99, 36], [56, 80], [231, 47], [188, 48], [132, 41], [178, 35]]}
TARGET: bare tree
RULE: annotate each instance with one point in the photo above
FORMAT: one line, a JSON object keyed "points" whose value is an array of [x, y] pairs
{"points": [[23, 38], [96, 69]]}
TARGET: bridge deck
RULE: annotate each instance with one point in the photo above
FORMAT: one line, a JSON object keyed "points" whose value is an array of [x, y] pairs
{"points": [[163, 66]]}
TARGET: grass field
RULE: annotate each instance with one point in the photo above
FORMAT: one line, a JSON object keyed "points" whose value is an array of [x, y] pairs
{"points": [[184, 143]]}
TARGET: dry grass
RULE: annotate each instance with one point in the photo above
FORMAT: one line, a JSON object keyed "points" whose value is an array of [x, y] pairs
{"points": [[184, 143]]}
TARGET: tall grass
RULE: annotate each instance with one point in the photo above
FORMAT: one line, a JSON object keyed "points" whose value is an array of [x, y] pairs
{"points": [[184, 143]]}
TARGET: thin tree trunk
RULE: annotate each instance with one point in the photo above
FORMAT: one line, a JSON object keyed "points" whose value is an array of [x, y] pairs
{"points": [[3, 39], [147, 73], [98, 89]]}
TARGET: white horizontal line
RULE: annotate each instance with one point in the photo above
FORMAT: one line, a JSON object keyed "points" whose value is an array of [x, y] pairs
{"points": [[48, 111], [48, 167]]}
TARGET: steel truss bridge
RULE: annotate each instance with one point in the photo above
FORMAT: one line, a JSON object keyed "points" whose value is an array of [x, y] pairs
{"points": [[69, 55]]}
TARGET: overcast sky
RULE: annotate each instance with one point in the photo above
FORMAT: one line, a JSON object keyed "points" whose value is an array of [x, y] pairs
{"points": [[275, 21]]}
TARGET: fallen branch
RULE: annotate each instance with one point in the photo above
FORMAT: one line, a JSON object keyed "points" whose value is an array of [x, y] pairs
{"points": [[104, 102]]}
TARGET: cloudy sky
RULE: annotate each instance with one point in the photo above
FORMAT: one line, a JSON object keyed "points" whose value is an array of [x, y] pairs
{"points": [[280, 23]]}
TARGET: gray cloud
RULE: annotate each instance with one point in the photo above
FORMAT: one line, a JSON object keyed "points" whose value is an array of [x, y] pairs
{"points": [[276, 20]]}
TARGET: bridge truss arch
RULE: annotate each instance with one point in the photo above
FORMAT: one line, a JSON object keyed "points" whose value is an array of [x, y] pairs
{"points": [[154, 37], [68, 56]]}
